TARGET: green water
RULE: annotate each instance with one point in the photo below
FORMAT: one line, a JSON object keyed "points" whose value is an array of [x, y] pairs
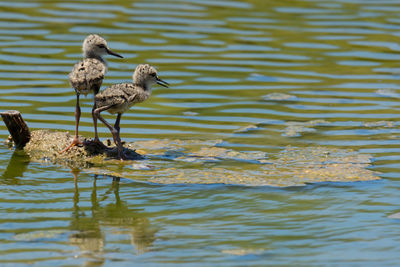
{"points": [[226, 61]]}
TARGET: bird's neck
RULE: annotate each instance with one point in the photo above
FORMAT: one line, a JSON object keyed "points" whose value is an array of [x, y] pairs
{"points": [[145, 87], [93, 55]]}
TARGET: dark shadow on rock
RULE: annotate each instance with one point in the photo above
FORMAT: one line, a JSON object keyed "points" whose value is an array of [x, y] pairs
{"points": [[94, 149]]}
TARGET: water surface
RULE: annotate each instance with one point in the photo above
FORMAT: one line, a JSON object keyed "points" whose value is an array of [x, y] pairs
{"points": [[336, 61]]}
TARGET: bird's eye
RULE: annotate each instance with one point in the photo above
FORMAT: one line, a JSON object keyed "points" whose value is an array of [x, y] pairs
{"points": [[101, 46], [153, 74]]}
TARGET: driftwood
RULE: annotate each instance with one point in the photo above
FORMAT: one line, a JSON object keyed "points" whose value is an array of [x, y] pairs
{"points": [[17, 127]]}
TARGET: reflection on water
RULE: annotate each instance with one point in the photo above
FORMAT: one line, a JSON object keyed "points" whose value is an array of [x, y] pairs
{"points": [[257, 75], [86, 227], [16, 167]]}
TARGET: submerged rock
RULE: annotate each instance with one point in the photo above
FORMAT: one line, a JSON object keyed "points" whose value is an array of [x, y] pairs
{"points": [[387, 93], [294, 128], [319, 164], [247, 128], [280, 97], [211, 165], [244, 252], [223, 153], [394, 216], [387, 124], [204, 162]]}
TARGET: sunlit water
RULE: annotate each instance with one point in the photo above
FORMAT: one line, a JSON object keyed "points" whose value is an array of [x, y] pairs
{"points": [[338, 62]]}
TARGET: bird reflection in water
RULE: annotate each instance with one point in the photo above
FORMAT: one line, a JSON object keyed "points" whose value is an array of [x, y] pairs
{"points": [[90, 229]]}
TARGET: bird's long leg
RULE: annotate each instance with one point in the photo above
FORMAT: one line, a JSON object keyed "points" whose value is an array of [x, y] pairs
{"points": [[114, 131], [96, 135], [116, 125], [75, 141]]}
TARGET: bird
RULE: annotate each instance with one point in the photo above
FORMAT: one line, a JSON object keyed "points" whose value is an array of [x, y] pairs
{"points": [[87, 75], [118, 98]]}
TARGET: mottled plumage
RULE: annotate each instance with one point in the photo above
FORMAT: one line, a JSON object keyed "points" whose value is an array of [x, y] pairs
{"points": [[121, 97], [87, 75], [118, 98]]}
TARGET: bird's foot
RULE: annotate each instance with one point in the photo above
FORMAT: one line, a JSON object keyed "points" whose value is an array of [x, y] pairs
{"points": [[75, 142]]}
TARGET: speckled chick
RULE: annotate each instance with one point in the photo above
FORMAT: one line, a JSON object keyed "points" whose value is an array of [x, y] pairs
{"points": [[87, 75], [118, 98]]}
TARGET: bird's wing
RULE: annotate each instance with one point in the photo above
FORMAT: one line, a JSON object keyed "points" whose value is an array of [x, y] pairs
{"points": [[114, 95]]}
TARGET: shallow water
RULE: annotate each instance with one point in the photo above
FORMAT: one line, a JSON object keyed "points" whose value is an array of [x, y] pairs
{"points": [[253, 74]]}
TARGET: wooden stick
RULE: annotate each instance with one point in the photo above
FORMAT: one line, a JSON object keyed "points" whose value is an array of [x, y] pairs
{"points": [[17, 127]]}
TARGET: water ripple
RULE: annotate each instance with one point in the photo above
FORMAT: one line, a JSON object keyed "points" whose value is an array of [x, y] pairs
{"points": [[257, 77]]}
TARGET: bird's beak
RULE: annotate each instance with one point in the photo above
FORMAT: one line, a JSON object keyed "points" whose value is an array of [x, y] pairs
{"points": [[162, 83], [113, 53]]}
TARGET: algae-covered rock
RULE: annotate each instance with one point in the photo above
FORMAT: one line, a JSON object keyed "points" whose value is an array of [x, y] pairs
{"points": [[223, 153], [46, 146], [247, 128], [387, 93], [210, 164], [295, 129], [394, 216], [280, 97], [204, 162], [387, 124], [175, 144], [319, 164], [244, 252]]}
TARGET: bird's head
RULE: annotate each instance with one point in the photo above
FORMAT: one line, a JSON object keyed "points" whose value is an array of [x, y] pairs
{"points": [[146, 75], [96, 46]]}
